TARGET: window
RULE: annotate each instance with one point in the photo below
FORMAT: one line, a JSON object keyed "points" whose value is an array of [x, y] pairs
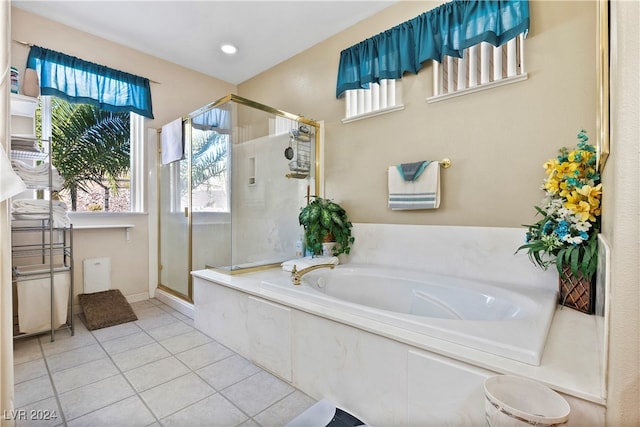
{"points": [[92, 151], [482, 66], [209, 173], [92, 144], [381, 98]]}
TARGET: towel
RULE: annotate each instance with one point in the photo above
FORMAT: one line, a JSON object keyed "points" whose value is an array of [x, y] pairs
{"points": [[171, 142], [411, 171], [308, 261], [39, 209], [37, 176], [10, 183], [423, 193], [25, 145], [218, 119]]}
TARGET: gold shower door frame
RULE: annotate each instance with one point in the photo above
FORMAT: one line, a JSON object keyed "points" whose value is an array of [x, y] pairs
{"points": [[188, 211]]}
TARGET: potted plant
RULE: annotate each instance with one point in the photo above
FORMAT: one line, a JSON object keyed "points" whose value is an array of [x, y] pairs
{"points": [[325, 221], [567, 233]]}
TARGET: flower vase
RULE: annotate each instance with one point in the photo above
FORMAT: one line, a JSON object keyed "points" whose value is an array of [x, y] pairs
{"points": [[576, 291]]}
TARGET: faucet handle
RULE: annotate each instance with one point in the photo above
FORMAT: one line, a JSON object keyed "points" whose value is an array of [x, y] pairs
{"points": [[294, 275]]}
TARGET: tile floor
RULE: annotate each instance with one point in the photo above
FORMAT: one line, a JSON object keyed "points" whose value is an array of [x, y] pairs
{"points": [[157, 371]]}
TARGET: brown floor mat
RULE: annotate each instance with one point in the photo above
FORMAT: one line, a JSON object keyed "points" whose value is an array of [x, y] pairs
{"points": [[104, 309]]}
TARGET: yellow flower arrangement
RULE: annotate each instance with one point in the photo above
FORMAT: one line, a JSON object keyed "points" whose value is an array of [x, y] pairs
{"points": [[567, 233]]}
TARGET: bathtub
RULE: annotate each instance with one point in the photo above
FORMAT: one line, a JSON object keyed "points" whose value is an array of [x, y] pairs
{"points": [[512, 322]]}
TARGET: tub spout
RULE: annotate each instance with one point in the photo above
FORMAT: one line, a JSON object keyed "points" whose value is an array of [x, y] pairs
{"points": [[296, 274]]}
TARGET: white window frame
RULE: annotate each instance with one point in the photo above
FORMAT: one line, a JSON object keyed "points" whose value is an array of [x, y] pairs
{"points": [[382, 98], [494, 67], [137, 157]]}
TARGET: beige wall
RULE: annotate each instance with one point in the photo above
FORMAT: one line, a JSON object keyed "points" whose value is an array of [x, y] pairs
{"points": [[496, 139], [128, 254]]}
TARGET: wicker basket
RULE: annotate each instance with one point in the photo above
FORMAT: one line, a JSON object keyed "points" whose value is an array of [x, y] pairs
{"points": [[576, 291]]}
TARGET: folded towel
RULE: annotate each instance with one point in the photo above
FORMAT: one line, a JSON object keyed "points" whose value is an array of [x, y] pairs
{"points": [[10, 183], [37, 176], [39, 209], [411, 171], [24, 145], [308, 261], [423, 193], [171, 142]]}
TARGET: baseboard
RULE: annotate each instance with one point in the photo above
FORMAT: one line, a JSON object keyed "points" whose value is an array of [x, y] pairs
{"points": [[176, 303], [142, 296]]}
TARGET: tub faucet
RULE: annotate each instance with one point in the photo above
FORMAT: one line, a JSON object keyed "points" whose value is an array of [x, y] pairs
{"points": [[296, 274]]}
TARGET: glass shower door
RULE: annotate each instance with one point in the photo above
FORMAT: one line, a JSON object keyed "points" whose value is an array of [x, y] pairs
{"points": [[195, 229], [174, 229]]}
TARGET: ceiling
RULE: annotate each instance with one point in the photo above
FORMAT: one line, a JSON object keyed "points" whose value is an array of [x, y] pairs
{"points": [[190, 33]]}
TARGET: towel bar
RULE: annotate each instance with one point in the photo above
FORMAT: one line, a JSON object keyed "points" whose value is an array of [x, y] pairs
{"points": [[444, 163]]}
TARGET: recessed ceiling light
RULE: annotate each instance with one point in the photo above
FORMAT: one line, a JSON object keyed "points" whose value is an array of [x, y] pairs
{"points": [[229, 49]]}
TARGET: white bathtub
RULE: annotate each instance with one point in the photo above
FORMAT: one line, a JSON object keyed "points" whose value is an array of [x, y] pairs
{"points": [[496, 319]]}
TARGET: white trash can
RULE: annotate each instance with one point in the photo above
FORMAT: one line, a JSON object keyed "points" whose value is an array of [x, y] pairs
{"points": [[515, 401]]}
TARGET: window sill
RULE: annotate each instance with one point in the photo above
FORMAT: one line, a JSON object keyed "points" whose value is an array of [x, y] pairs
{"points": [[104, 221], [478, 88], [373, 113], [98, 227]]}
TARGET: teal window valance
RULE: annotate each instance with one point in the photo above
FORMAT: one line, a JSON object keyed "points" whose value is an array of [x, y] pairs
{"points": [[79, 81], [445, 30]]}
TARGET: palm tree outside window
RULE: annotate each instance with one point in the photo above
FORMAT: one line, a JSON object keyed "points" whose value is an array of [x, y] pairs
{"points": [[90, 148]]}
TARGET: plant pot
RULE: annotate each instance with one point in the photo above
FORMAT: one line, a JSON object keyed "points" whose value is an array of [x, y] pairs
{"points": [[328, 242], [328, 238], [576, 291], [327, 248]]}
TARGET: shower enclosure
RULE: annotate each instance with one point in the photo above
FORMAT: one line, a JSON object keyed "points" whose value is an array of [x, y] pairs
{"points": [[232, 203]]}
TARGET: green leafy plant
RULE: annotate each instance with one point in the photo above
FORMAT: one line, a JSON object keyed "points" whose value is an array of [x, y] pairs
{"points": [[567, 233], [324, 221]]}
